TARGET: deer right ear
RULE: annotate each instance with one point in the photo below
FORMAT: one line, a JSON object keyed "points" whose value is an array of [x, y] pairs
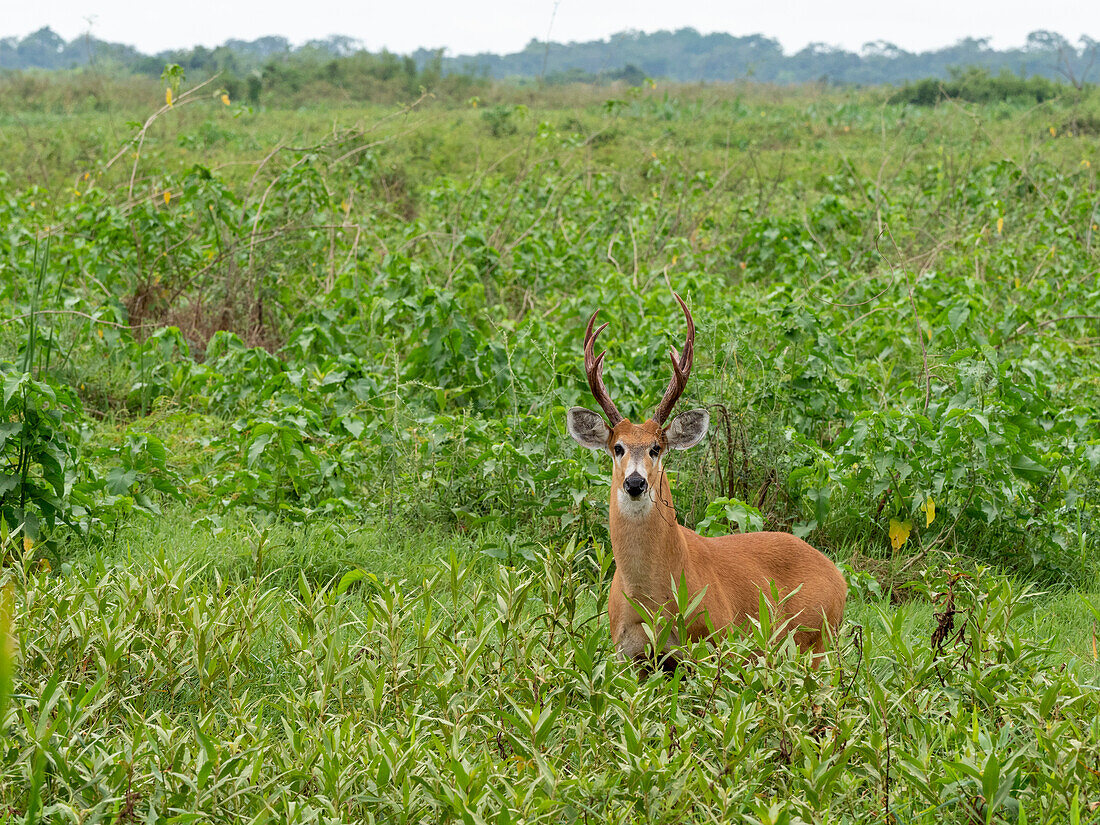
{"points": [[587, 428]]}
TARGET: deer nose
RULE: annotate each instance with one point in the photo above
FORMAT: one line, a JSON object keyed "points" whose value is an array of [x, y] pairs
{"points": [[634, 484]]}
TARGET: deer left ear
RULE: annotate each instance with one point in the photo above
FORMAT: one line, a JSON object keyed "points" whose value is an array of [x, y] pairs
{"points": [[687, 429]]}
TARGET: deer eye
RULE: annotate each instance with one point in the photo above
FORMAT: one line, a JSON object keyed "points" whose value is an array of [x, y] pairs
{"points": [[655, 450], [619, 451]]}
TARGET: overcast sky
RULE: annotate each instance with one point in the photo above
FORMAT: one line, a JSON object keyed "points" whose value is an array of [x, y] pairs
{"points": [[466, 26]]}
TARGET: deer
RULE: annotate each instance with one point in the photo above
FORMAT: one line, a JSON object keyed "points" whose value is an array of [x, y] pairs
{"points": [[729, 577]]}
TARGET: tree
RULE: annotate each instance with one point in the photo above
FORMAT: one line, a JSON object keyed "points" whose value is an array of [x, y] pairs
{"points": [[1047, 41], [42, 49]]}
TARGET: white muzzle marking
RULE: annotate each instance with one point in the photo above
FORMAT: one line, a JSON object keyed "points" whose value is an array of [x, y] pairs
{"points": [[635, 508], [634, 462]]}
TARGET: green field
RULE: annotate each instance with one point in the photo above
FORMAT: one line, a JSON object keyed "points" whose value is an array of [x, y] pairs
{"points": [[292, 530]]}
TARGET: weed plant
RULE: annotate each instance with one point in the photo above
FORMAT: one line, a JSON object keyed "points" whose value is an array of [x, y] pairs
{"points": [[337, 345], [903, 358], [177, 681]]}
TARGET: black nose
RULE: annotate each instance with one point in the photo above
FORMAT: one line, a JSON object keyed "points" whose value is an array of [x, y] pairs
{"points": [[634, 485]]}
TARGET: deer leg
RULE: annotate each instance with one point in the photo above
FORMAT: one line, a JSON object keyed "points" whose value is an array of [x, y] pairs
{"points": [[632, 643], [633, 646]]}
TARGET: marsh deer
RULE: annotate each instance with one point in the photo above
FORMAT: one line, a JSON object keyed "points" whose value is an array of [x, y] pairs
{"points": [[652, 550]]}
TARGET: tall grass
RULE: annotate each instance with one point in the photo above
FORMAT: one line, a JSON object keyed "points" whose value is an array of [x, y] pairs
{"points": [[307, 542], [172, 681]]}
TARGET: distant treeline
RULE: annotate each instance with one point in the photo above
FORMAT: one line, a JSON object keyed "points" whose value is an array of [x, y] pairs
{"points": [[684, 56], [267, 70], [687, 56]]}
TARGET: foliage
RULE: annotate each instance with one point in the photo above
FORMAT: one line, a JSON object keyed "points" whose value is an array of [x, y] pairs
{"points": [[729, 515], [684, 55], [292, 530], [350, 333], [977, 85], [49, 475], [37, 435], [465, 692]]}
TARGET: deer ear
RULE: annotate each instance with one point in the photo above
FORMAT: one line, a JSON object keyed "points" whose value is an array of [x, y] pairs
{"points": [[687, 429], [587, 428]]}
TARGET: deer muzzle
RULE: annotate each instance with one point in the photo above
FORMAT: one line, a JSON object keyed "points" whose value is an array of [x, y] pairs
{"points": [[635, 485]]}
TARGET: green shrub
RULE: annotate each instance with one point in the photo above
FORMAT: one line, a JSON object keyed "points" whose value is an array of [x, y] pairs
{"points": [[976, 85]]}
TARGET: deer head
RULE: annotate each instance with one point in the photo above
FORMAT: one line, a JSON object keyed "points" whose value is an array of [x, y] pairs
{"points": [[637, 450]]}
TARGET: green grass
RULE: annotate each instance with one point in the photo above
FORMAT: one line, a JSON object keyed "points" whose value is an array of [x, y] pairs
{"points": [[309, 542], [177, 673], [792, 131]]}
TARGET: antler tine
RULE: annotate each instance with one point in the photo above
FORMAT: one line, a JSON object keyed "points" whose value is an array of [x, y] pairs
{"points": [[681, 369], [593, 368], [688, 354]]}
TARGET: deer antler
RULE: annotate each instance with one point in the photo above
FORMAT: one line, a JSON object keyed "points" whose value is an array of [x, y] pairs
{"points": [[681, 369], [593, 368]]}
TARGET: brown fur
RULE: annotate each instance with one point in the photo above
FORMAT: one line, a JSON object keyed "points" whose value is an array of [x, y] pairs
{"points": [[653, 550]]}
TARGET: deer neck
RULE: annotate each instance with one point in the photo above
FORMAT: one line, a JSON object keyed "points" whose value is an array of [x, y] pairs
{"points": [[647, 543]]}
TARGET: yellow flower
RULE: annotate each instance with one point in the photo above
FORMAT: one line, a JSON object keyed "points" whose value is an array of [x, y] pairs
{"points": [[225, 99], [28, 543], [899, 532], [929, 508], [168, 96], [1087, 164], [167, 197], [1053, 131], [1000, 225]]}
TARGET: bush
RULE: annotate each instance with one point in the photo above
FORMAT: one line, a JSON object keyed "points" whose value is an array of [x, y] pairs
{"points": [[976, 85]]}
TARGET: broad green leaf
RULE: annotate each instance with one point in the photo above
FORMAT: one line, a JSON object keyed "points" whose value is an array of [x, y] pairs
{"points": [[1026, 467], [256, 448], [349, 579], [958, 315], [13, 382]]}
